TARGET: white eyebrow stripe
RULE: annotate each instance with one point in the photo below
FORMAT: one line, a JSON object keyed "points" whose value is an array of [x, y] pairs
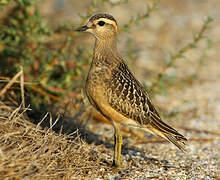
{"points": [[109, 22]]}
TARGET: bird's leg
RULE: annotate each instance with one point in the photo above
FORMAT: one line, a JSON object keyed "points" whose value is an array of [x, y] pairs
{"points": [[118, 143]]}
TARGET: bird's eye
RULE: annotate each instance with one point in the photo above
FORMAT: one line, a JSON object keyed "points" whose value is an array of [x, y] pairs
{"points": [[101, 23]]}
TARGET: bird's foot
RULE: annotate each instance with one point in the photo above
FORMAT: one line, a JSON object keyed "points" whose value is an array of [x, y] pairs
{"points": [[115, 165]]}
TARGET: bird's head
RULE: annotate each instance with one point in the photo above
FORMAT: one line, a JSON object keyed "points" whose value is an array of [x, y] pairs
{"points": [[102, 26]]}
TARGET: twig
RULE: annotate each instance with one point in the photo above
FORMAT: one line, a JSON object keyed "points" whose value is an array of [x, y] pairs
{"points": [[43, 92], [181, 52], [38, 125], [139, 17], [22, 87], [204, 55], [18, 82], [10, 83], [51, 122], [64, 46], [72, 34]]}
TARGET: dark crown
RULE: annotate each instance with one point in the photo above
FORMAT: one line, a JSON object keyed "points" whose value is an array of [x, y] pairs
{"points": [[98, 16]]}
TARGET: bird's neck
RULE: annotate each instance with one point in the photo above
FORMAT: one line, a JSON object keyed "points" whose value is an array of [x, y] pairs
{"points": [[105, 51]]}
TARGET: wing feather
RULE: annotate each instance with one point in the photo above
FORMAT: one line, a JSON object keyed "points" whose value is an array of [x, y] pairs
{"points": [[127, 96]]}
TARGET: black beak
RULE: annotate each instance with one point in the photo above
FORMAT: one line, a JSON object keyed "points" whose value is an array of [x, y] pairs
{"points": [[83, 28]]}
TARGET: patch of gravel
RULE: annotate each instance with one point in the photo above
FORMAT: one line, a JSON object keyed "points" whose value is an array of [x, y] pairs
{"points": [[199, 117], [167, 30]]}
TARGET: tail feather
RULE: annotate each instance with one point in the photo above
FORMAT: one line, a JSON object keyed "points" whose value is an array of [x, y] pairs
{"points": [[167, 132], [173, 139]]}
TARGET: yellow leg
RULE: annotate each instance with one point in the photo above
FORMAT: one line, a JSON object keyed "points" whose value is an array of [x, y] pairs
{"points": [[118, 143]]}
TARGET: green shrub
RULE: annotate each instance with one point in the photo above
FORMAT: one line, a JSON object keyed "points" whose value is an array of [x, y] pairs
{"points": [[54, 68]]}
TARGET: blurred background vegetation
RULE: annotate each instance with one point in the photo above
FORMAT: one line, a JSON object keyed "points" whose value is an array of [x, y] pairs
{"points": [[171, 46], [38, 38]]}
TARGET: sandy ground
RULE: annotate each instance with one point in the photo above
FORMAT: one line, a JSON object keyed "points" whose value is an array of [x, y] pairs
{"points": [[168, 29], [199, 120]]}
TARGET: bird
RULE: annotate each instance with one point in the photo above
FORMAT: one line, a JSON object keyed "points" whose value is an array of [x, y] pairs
{"points": [[113, 90]]}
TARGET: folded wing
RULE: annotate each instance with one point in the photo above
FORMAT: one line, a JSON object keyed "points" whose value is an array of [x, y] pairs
{"points": [[127, 96]]}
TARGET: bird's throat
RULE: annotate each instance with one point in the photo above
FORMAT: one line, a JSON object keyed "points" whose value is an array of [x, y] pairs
{"points": [[105, 51]]}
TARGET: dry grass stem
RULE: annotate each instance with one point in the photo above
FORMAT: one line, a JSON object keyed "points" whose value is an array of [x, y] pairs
{"points": [[22, 86], [10, 83], [28, 151]]}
